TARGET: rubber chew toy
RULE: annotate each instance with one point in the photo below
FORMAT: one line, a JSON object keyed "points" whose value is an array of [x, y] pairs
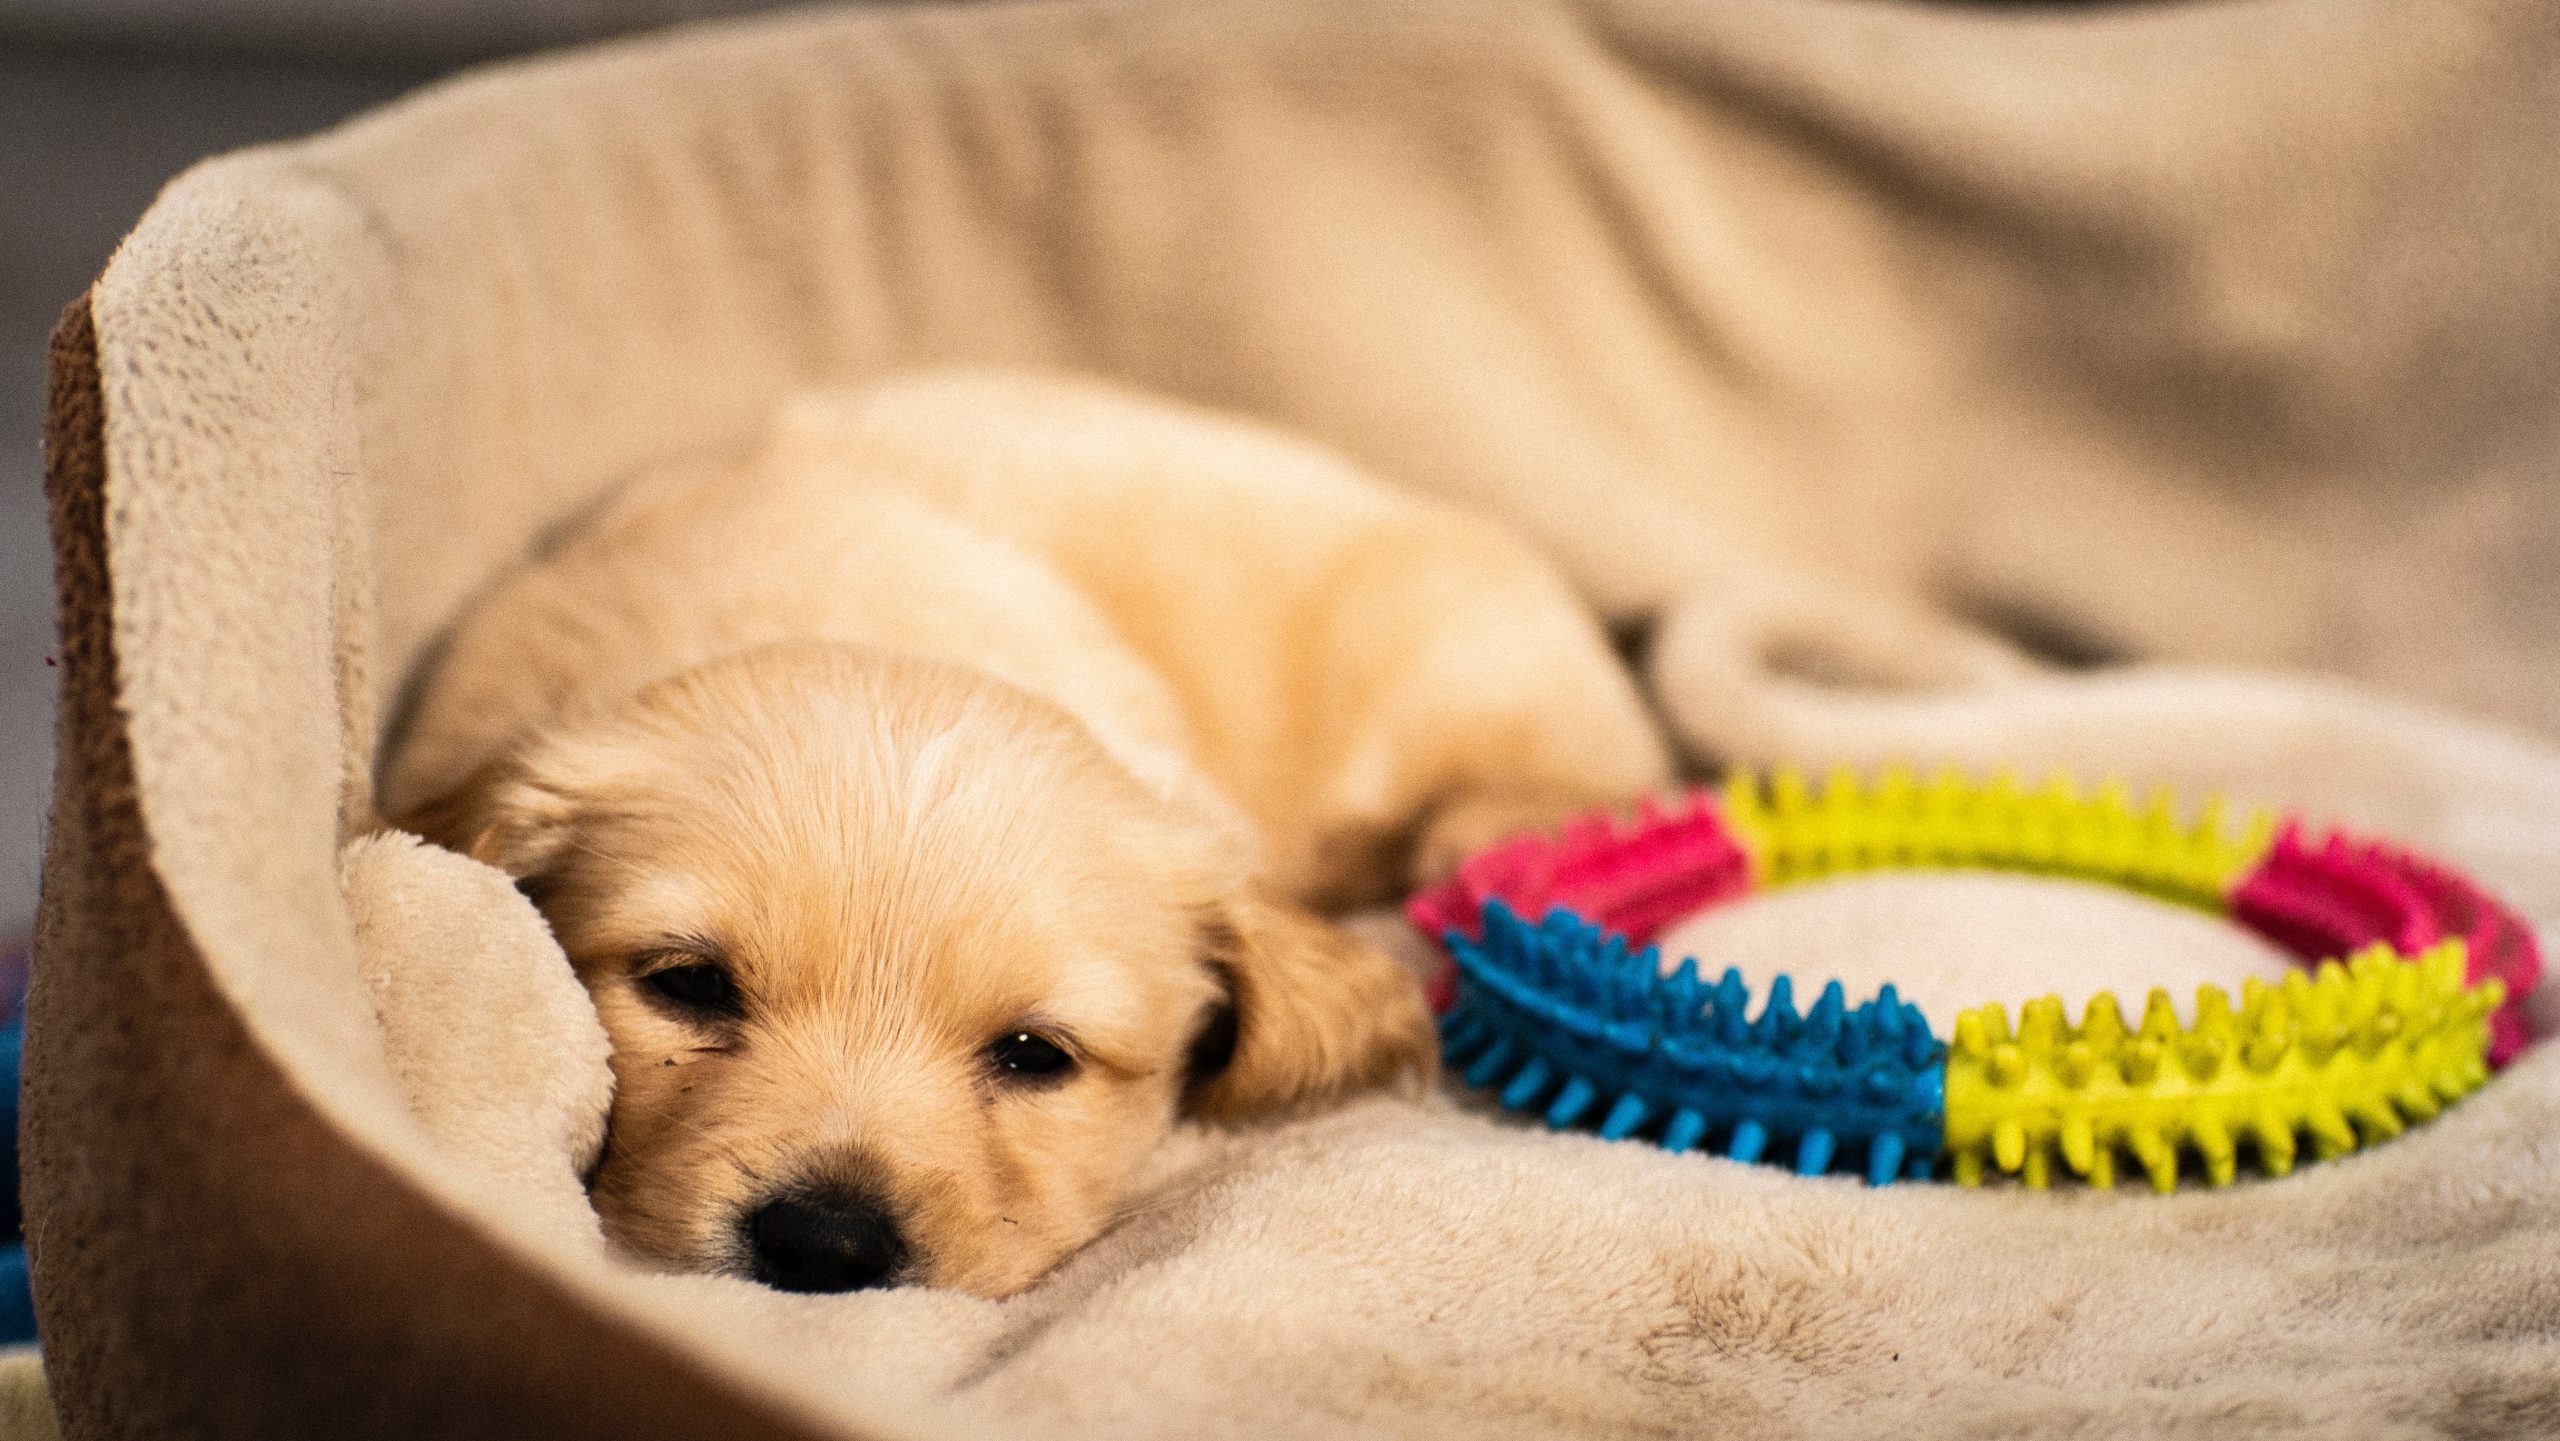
{"points": [[2411, 994]]}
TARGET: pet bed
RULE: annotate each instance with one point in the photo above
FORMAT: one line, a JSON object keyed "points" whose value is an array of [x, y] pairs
{"points": [[2214, 336]]}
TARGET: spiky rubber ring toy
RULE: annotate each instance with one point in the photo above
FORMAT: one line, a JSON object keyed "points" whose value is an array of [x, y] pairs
{"points": [[2410, 995]]}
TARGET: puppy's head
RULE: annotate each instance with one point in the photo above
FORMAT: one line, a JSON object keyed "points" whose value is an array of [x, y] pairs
{"points": [[904, 975]]}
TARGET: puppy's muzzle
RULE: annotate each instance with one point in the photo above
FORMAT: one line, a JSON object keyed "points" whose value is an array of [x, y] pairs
{"points": [[825, 1240]]}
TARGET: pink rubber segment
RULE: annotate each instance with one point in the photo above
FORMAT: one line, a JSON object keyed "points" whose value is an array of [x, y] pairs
{"points": [[2345, 893], [1631, 878]]}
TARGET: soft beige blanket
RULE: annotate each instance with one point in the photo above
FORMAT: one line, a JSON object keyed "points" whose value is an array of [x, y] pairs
{"points": [[1427, 1270], [1840, 344]]}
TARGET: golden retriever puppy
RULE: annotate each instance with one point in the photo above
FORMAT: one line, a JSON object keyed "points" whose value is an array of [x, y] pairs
{"points": [[936, 796]]}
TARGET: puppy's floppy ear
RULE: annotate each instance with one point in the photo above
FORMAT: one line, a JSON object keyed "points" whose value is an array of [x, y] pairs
{"points": [[1315, 1013], [505, 816]]}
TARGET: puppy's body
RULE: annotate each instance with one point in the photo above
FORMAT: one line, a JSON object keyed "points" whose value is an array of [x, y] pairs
{"points": [[976, 708]]}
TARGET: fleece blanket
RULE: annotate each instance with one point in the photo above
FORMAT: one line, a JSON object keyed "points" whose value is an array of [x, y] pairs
{"points": [[1863, 362]]}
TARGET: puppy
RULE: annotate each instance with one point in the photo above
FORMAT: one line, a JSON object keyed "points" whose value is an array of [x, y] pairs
{"points": [[937, 796]]}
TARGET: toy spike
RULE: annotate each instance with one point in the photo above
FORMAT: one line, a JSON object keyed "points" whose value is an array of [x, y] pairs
{"points": [[2101, 1022], [2375, 1120], [2008, 1064], [2009, 1144], [2159, 1016], [1624, 1117], [1995, 1023], [2275, 1141], [1682, 994], [2078, 1062], [1884, 1159], [1490, 1063], [1571, 1102], [2203, 1055], [1528, 1084], [2139, 1061], [2079, 1137], [2375, 1032], [2041, 1025], [1814, 1150], [1778, 1013], [2213, 1012], [1885, 1018], [2213, 1142], [1748, 1140], [1683, 1132], [1822, 1024], [1972, 1038], [2159, 1158], [2331, 1136], [1731, 1001]]}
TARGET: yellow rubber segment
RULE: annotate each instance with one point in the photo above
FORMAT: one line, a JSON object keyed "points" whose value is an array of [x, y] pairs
{"points": [[2344, 1058], [1797, 832]]}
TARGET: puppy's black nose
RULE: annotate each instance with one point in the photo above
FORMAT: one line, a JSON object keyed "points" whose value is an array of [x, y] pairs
{"points": [[825, 1241]]}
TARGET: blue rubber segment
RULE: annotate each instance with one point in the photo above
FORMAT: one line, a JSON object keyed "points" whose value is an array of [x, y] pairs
{"points": [[1567, 1022]]}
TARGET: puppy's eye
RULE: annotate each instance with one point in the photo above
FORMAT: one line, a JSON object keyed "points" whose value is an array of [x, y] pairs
{"points": [[1029, 1056], [700, 986]]}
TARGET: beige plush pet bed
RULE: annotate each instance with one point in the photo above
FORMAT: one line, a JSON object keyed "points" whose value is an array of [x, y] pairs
{"points": [[2189, 333]]}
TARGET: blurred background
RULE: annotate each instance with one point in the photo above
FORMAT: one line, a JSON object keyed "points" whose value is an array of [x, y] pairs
{"points": [[101, 101]]}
